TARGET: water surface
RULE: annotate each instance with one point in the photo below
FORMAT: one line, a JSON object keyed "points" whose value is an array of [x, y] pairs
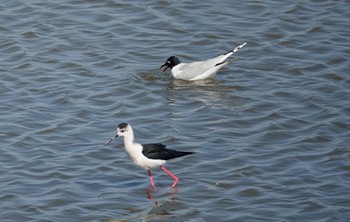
{"points": [[270, 131]]}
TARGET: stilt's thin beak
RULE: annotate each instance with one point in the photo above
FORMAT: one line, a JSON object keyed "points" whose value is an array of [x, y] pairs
{"points": [[164, 67], [111, 140]]}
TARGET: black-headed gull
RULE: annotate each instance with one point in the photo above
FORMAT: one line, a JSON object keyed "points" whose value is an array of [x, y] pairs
{"points": [[197, 70], [147, 156]]}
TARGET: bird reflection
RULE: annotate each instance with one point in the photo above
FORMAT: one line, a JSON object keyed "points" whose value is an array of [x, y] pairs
{"points": [[151, 192]]}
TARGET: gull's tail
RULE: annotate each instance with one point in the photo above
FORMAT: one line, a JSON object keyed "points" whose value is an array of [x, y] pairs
{"points": [[236, 49]]}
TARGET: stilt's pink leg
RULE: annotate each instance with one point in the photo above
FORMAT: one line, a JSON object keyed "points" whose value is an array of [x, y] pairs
{"points": [[151, 178], [176, 180]]}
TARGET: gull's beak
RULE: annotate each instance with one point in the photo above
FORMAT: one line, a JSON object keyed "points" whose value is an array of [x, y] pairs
{"points": [[164, 67], [111, 140]]}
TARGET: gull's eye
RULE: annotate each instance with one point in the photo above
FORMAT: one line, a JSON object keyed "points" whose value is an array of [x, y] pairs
{"points": [[122, 131]]}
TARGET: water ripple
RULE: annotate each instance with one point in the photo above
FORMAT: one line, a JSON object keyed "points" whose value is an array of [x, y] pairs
{"points": [[270, 132]]}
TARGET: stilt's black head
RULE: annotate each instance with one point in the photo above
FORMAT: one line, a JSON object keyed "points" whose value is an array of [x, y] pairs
{"points": [[121, 130], [170, 63], [122, 125]]}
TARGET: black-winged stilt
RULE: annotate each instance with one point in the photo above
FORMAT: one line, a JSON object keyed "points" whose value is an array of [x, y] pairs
{"points": [[147, 156]]}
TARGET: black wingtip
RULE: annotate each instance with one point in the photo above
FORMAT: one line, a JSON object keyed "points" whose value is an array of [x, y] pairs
{"points": [[217, 64], [236, 49], [183, 153]]}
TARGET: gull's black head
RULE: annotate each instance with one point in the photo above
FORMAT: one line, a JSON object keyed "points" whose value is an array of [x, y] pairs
{"points": [[170, 63]]}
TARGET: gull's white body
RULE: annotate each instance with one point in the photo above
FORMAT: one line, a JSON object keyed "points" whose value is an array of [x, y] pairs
{"points": [[201, 70]]}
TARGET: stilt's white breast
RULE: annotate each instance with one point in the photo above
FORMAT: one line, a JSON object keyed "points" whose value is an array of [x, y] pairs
{"points": [[134, 151]]}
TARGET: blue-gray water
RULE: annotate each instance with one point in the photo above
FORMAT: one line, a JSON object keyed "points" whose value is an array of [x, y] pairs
{"points": [[271, 131]]}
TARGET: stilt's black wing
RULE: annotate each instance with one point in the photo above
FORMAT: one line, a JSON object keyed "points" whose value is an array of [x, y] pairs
{"points": [[158, 151]]}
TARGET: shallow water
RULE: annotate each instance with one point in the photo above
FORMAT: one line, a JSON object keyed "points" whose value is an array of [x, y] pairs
{"points": [[270, 131]]}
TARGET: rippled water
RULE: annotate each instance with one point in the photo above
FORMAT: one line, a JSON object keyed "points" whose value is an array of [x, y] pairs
{"points": [[270, 132]]}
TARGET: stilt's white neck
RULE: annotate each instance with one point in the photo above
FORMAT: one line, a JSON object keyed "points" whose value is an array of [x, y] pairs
{"points": [[129, 139], [132, 149]]}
